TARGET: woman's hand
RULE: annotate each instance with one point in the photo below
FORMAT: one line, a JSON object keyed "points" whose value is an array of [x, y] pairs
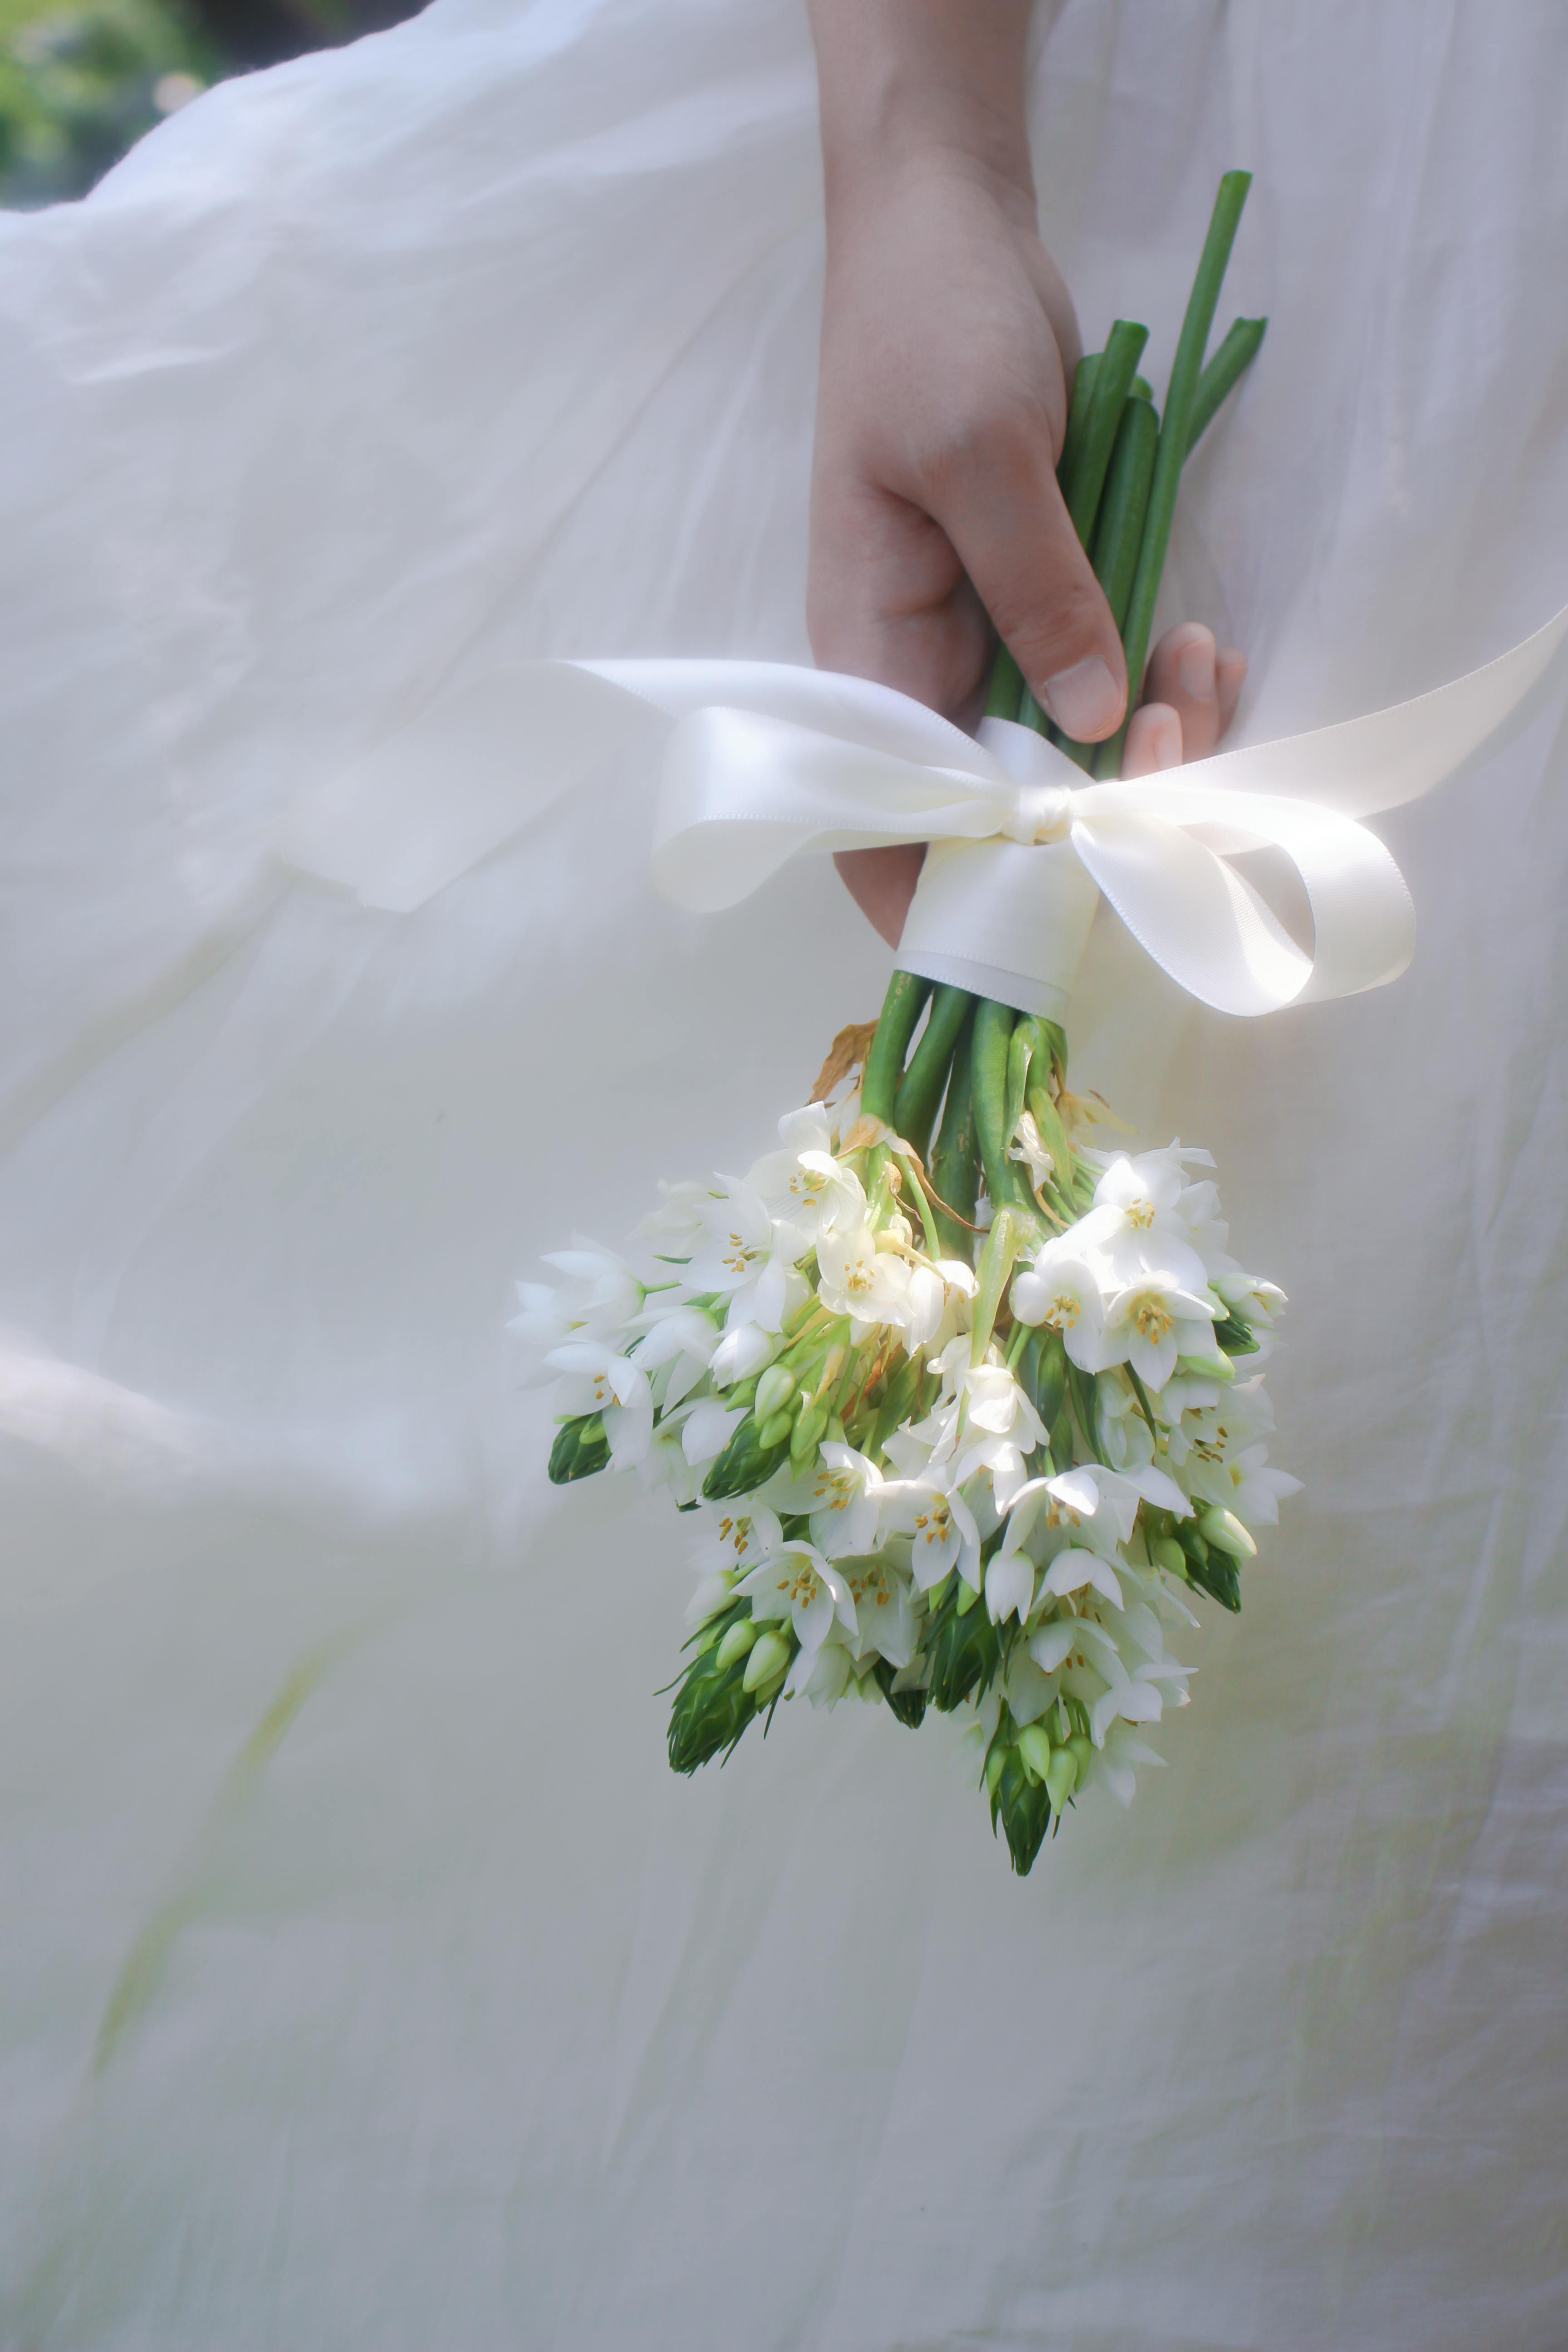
{"points": [[948, 348]]}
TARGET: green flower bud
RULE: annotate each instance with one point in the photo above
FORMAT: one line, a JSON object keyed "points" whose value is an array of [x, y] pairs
{"points": [[1061, 1777], [1035, 1746], [775, 1429], [1081, 1750], [768, 1660], [775, 1389], [967, 1597], [1206, 1367], [735, 1644], [1225, 1529], [805, 1433], [993, 1763], [1166, 1552]]}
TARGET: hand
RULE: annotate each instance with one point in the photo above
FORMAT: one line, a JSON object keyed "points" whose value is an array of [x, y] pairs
{"points": [[949, 343]]}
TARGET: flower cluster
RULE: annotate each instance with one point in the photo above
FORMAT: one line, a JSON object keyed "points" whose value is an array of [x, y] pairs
{"points": [[989, 1487]]}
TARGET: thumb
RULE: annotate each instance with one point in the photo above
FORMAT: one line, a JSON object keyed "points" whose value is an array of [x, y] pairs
{"points": [[1007, 520]]}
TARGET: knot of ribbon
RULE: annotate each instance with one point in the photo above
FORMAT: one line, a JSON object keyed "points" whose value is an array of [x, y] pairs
{"points": [[1040, 812], [759, 762]]}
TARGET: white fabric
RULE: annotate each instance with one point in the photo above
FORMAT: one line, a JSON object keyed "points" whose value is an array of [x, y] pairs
{"points": [[429, 2007]]}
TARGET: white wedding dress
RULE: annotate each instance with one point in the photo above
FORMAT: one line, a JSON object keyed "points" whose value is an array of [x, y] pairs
{"points": [[369, 1981]]}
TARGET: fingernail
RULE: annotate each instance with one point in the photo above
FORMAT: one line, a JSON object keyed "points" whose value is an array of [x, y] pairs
{"points": [[1085, 700], [1194, 668]]}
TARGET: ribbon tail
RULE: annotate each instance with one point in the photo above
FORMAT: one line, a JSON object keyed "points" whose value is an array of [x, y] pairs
{"points": [[1394, 755]]}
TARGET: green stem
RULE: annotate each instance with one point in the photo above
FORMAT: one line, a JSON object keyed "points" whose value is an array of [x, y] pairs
{"points": [[994, 1025], [915, 1191], [885, 1061], [1006, 686], [1082, 394], [1235, 355], [955, 1161], [1084, 479], [1086, 450], [920, 1089], [1119, 532], [995, 1269], [1174, 429]]}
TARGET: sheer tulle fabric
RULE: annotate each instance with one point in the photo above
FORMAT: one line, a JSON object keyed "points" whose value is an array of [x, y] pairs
{"points": [[371, 1982]]}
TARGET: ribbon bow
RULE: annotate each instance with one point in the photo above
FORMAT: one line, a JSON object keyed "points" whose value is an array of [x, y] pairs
{"points": [[761, 760]]}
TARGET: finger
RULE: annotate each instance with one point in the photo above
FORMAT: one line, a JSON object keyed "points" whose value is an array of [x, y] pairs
{"points": [[997, 497], [1200, 685], [1153, 741], [882, 882], [887, 598]]}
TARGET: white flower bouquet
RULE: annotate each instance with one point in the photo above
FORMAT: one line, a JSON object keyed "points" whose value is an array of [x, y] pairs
{"points": [[966, 1408]]}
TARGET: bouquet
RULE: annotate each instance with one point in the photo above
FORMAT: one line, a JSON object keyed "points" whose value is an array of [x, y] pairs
{"points": [[967, 1410]]}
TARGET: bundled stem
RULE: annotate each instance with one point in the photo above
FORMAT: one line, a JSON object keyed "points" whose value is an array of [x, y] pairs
{"points": [[1176, 432]]}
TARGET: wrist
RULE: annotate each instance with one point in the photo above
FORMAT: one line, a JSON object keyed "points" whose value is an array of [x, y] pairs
{"points": [[913, 84]]}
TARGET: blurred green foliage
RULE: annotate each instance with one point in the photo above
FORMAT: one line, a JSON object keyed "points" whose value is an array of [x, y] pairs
{"points": [[80, 81]]}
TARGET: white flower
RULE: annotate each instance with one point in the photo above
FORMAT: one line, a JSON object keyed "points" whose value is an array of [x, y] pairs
{"points": [[1073, 1570], [1258, 1302], [744, 1349], [1152, 1322], [679, 1216], [736, 1536], [684, 1339], [601, 1297], [844, 1500], [991, 1426], [1010, 1575], [937, 1304], [883, 1609], [940, 1526], [1245, 1485], [858, 1279], [598, 1380], [1062, 1290], [665, 1465], [742, 1251], [796, 1582], [1136, 1222], [803, 1184], [708, 1427], [822, 1675], [1125, 1438], [1112, 1769]]}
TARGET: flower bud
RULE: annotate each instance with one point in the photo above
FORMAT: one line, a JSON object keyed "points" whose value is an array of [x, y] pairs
{"points": [[993, 1764], [1224, 1531], [768, 1660], [1206, 1367], [774, 1390], [1061, 1777], [1081, 1750], [1167, 1553], [735, 1644], [1035, 1746], [775, 1430], [807, 1431]]}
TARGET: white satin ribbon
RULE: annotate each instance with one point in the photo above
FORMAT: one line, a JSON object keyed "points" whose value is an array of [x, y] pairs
{"points": [[761, 760]]}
